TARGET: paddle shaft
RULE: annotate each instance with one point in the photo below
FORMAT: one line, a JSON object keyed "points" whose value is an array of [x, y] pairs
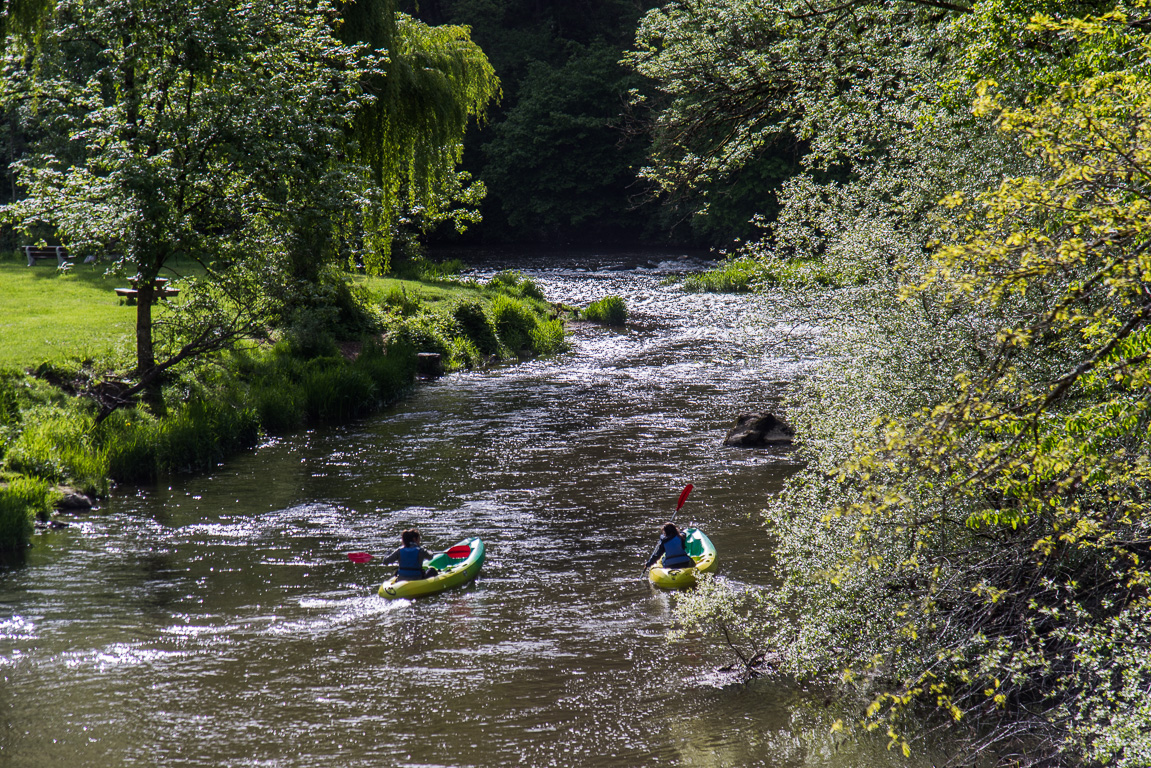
{"points": [[457, 552]]}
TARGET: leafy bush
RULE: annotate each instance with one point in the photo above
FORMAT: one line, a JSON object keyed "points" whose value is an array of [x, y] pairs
{"points": [[280, 404], [424, 332], [9, 413], [20, 502], [507, 278], [202, 433], [423, 268], [733, 275], [309, 335], [514, 323], [390, 369], [477, 326], [609, 310], [463, 353]]}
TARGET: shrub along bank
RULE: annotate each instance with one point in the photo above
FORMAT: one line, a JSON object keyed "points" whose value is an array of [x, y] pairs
{"points": [[334, 361]]}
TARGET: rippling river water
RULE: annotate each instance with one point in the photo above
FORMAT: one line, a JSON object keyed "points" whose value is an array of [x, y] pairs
{"points": [[216, 620]]}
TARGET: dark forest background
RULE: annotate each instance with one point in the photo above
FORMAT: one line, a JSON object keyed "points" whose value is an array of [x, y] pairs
{"points": [[561, 152]]}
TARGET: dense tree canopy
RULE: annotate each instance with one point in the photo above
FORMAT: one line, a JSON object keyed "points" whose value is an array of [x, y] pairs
{"points": [[205, 131], [969, 534], [558, 158], [242, 137]]}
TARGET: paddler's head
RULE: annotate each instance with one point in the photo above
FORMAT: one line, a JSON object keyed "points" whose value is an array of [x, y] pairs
{"points": [[410, 537], [670, 530]]}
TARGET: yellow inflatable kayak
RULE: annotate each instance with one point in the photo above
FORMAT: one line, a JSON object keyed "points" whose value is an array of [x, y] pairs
{"points": [[456, 567], [701, 550]]}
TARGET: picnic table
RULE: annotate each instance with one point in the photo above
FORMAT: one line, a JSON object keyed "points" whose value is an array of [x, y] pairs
{"points": [[159, 286]]}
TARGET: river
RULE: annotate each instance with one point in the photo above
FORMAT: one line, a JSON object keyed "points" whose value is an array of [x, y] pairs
{"points": [[216, 620]]}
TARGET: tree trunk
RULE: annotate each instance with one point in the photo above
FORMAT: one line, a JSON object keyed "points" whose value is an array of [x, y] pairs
{"points": [[145, 352]]}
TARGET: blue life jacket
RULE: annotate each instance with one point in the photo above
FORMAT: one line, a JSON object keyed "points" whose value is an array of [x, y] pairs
{"points": [[411, 564], [674, 553]]}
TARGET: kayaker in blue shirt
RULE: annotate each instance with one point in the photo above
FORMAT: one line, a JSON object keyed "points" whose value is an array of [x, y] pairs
{"points": [[411, 557], [673, 547]]}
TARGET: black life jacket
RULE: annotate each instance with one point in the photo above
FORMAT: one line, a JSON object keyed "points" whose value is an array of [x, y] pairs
{"points": [[674, 553], [411, 564]]}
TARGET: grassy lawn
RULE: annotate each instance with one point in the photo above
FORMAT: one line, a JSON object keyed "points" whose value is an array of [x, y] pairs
{"points": [[429, 293], [46, 316]]}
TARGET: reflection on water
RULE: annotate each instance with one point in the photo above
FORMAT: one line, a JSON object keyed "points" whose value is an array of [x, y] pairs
{"points": [[217, 621]]}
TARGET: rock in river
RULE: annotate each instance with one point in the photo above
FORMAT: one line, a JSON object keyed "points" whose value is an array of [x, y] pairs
{"points": [[755, 430]]}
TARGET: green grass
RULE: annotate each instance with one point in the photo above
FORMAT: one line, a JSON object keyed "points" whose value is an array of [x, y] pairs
{"points": [[746, 273], [610, 310], [46, 316], [468, 322], [59, 328]]}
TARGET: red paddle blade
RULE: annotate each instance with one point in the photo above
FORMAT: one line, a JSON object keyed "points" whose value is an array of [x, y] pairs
{"points": [[359, 557], [683, 496], [459, 551]]}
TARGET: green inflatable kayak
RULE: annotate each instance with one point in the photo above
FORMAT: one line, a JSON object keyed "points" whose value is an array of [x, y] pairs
{"points": [[459, 565], [701, 550]]}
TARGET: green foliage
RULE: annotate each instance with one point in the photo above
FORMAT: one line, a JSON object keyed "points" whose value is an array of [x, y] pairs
{"points": [[202, 433], [422, 268], [21, 500], [55, 444], [968, 533], [397, 300], [549, 337], [156, 138], [433, 82], [717, 606], [424, 332], [514, 322], [560, 132], [10, 418], [514, 283], [555, 161], [334, 391], [309, 332], [131, 441], [477, 327], [754, 270], [732, 275], [610, 310], [723, 135]]}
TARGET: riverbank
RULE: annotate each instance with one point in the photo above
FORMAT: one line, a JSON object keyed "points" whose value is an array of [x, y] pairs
{"points": [[217, 617], [309, 372]]}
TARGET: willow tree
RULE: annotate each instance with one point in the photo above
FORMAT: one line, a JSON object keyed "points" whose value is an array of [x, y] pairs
{"points": [[23, 18], [434, 82]]}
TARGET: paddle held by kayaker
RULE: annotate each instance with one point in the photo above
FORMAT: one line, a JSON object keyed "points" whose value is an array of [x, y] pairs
{"points": [[673, 547], [411, 557]]}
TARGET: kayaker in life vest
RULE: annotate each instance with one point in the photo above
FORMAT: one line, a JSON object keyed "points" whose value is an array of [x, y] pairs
{"points": [[411, 557], [673, 547]]}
